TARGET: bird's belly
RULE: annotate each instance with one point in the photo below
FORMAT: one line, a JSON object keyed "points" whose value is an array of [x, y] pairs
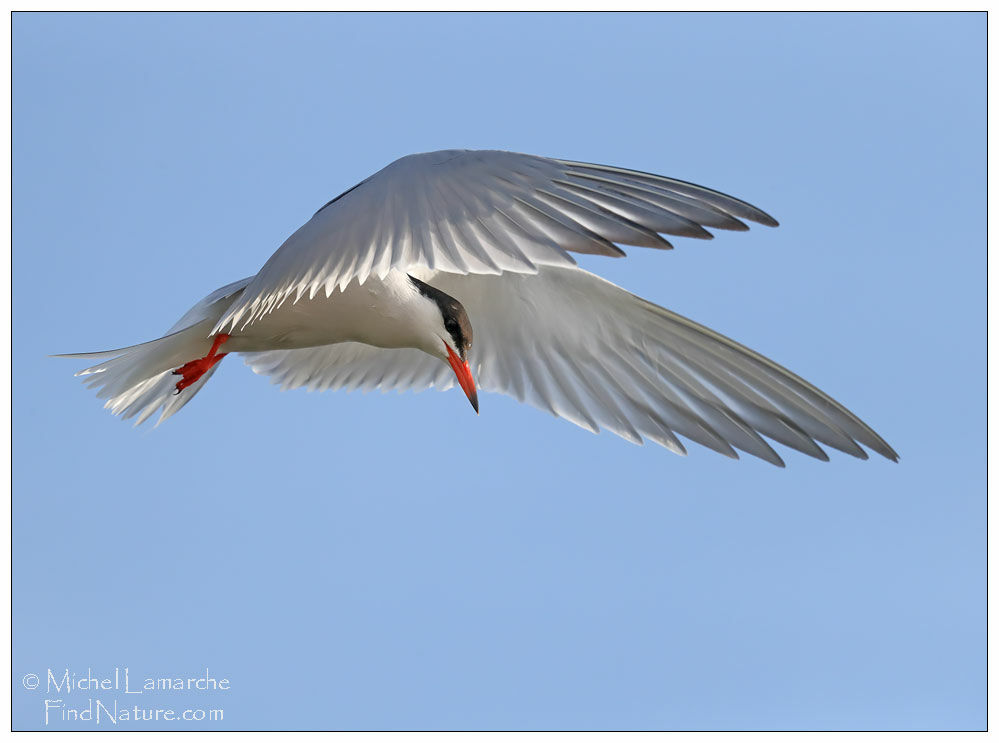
{"points": [[368, 313]]}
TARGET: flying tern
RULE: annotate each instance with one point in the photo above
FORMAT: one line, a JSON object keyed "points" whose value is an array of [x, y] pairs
{"points": [[457, 266]]}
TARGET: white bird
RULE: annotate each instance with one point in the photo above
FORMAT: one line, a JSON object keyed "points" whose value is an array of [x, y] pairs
{"points": [[388, 280]]}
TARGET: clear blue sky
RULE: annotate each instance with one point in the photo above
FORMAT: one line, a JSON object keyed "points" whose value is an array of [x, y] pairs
{"points": [[394, 561]]}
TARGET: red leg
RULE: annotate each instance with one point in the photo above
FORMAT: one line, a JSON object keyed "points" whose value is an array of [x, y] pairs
{"points": [[192, 371]]}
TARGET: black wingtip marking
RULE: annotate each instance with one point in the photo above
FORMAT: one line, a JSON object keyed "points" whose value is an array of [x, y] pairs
{"points": [[337, 198]]}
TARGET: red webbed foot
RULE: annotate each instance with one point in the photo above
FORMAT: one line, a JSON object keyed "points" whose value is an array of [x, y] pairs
{"points": [[192, 371]]}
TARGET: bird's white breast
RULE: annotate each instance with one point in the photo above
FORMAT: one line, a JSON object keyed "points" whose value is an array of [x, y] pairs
{"points": [[388, 313]]}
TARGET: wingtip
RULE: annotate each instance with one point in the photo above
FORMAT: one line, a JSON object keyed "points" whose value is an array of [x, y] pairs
{"points": [[885, 450], [769, 456]]}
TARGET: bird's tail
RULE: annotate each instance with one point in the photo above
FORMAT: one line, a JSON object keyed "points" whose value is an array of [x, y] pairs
{"points": [[136, 381], [139, 380]]}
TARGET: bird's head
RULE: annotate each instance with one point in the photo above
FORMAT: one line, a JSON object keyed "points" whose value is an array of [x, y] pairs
{"points": [[452, 333]]}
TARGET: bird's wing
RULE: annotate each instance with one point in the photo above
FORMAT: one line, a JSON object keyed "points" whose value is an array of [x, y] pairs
{"points": [[210, 305], [351, 366], [481, 212], [580, 347]]}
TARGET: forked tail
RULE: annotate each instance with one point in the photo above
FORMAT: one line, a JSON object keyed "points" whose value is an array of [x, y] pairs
{"points": [[166, 373], [139, 380]]}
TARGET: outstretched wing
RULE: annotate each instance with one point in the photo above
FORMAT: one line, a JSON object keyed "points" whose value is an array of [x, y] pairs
{"points": [[351, 366], [583, 349], [481, 212]]}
